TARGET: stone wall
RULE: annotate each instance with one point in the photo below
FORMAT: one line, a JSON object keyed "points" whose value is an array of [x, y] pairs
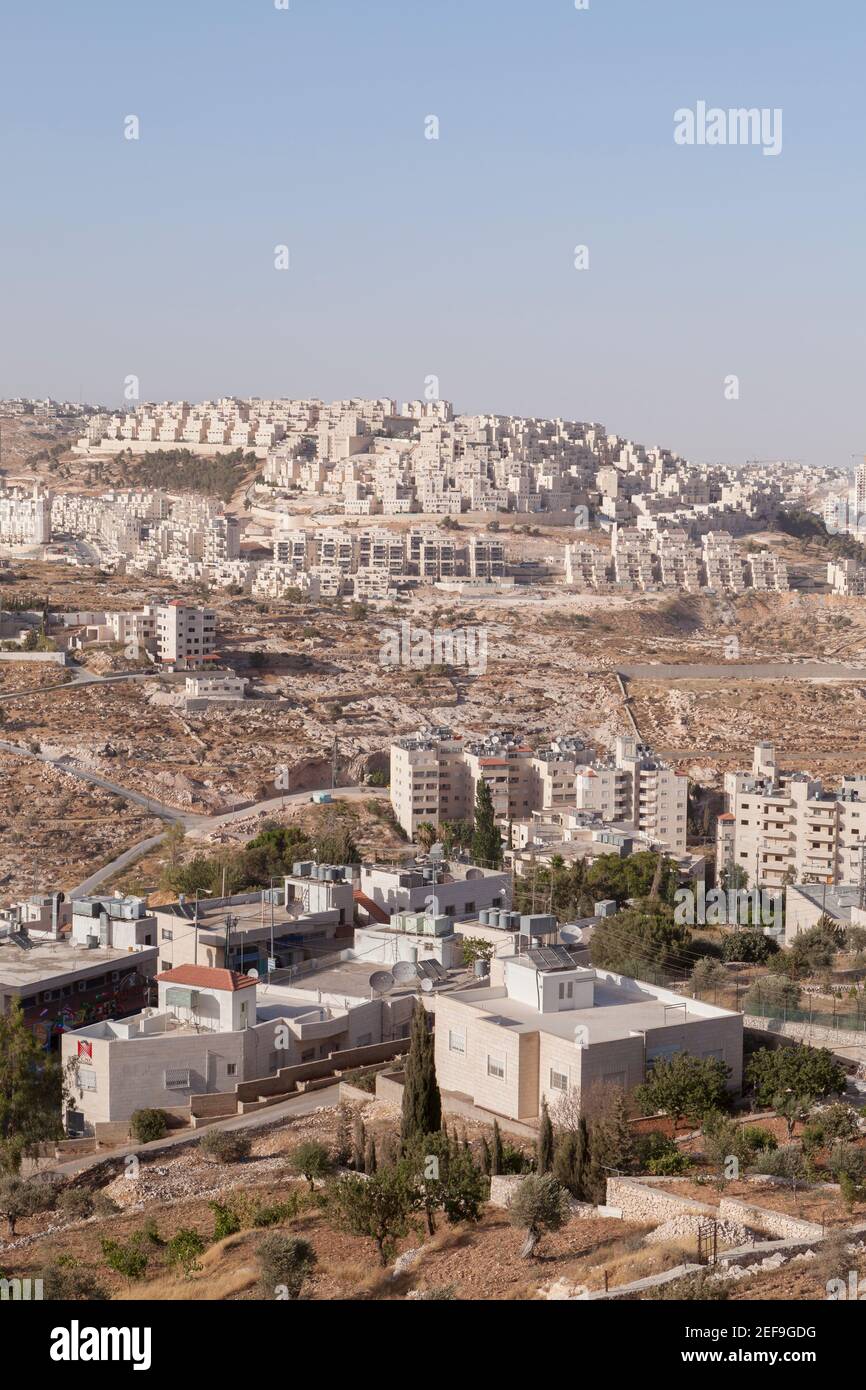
{"points": [[775, 1223]]}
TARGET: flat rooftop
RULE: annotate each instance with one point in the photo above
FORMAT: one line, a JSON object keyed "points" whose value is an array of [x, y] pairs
{"points": [[615, 1014], [211, 916], [837, 901], [349, 978], [51, 960]]}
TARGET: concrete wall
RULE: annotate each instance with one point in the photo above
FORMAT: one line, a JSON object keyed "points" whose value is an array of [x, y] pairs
{"points": [[53, 658]]}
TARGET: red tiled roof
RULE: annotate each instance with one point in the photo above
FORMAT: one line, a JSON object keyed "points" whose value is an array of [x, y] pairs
{"points": [[206, 977]]}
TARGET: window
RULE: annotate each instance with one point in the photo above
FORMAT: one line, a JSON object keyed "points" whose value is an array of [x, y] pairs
{"points": [[231, 1069], [496, 1066], [166, 934], [86, 1079], [165, 965], [558, 1080], [456, 1041], [177, 1078]]}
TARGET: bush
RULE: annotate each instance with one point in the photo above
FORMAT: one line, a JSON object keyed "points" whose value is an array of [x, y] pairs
{"points": [[76, 1203], [147, 1125], [757, 1139], [184, 1249], [226, 1220], [68, 1283], [285, 1264], [103, 1205], [225, 1146], [844, 1158], [669, 1165], [784, 1162], [651, 1146], [129, 1260]]}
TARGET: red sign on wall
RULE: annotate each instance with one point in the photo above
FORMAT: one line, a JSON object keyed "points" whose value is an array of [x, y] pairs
{"points": [[85, 1051]]}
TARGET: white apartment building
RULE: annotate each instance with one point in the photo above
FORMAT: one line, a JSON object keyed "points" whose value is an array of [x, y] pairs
{"points": [[185, 635], [435, 776], [25, 515], [637, 789], [781, 828]]}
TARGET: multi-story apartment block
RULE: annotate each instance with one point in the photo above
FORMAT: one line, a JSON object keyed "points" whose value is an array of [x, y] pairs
{"points": [[637, 789], [25, 515], [185, 636], [783, 828], [435, 776]]}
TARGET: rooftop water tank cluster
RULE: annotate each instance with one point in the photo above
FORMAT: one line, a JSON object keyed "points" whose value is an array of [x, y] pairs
{"points": [[497, 917], [328, 873]]}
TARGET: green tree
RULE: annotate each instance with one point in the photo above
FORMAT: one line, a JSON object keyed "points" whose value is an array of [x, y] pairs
{"points": [[496, 1154], [311, 1160], [377, 1206], [684, 1086], [486, 839], [708, 976], [544, 1146], [537, 1205], [422, 1103], [20, 1198], [643, 942], [30, 1091], [571, 1159], [444, 1178], [800, 1070], [425, 834]]}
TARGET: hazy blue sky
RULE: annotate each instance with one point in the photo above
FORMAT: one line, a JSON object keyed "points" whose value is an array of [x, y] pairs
{"points": [[453, 257]]}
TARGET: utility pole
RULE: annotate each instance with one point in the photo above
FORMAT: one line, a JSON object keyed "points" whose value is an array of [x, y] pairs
{"points": [[334, 765]]}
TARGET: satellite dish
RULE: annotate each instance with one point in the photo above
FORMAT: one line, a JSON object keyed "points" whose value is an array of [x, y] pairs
{"points": [[252, 974], [427, 986], [381, 981], [405, 970]]}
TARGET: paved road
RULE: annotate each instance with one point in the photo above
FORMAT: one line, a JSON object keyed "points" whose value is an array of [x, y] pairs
{"points": [[303, 1104], [199, 826], [80, 678], [745, 671]]}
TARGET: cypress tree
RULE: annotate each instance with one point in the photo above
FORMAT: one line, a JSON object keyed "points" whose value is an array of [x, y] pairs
{"points": [[544, 1144], [485, 1157], [359, 1143], [370, 1156], [496, 1157], [486, 840], [422, 1103]]}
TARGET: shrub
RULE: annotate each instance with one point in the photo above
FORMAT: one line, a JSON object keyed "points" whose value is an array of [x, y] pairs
{"points": [[225, 1146], [76, 1203], [758, 1139], [226, 1220], [651, 1146], [669, 1165], [844, 1158], [184, 1249], [129, 1260], [784, 1162], [68, 1283], [147, 1125], [103, 1205], [285, 1264]]}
